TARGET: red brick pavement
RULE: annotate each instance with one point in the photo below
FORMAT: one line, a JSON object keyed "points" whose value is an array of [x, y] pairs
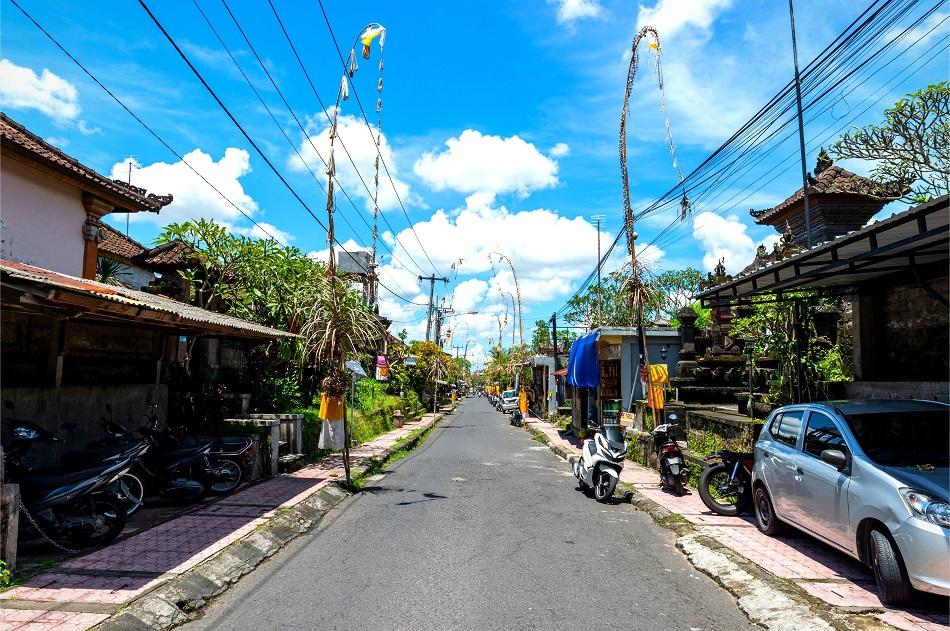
{"points": [[820, 570], [118, 573]]}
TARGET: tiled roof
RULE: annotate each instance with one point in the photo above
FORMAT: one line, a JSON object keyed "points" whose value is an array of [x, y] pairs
{"points": [[17, 138], [149, 308], [120, 245], [173, 253], [833, 180]]}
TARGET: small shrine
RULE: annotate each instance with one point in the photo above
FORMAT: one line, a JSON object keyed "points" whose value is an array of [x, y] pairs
{"points": [[839, 201]]}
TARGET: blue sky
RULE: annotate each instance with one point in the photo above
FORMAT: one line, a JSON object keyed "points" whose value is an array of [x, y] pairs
{"points": [[499, 118]]}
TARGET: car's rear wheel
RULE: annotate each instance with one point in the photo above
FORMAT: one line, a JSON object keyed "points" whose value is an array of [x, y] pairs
{"points": [[889, 572], [765, 518]]}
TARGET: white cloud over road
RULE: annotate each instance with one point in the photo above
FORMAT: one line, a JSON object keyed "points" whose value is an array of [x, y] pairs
{"points": [[193, 198], [726, 238], [489, 165], [356, 140], [570, 10], [22, 88]]}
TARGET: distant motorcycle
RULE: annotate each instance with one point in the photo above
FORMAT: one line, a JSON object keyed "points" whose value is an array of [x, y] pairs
{"points": [[600, 463], [673, 470], [726, 485]]}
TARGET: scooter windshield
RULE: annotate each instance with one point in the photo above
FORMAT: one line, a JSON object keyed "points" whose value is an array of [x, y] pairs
{"points": [[614, 436]]}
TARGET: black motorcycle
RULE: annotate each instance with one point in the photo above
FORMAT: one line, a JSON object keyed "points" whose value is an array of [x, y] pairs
{"points": [[726, 484], [83, 506], [673, 470]]}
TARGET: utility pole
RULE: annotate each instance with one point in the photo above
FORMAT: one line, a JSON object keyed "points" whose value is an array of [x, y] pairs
{"points": [[557, 391], [801, 125], [439, 313], [457, 347], [431, 280], [600, 293]]}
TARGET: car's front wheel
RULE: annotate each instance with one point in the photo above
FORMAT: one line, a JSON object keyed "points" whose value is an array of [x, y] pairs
{"points": [[765, 518], [889, 572]]}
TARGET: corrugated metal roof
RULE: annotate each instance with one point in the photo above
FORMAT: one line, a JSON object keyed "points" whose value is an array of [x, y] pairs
{"points": [[182, 313], [915, 237]]}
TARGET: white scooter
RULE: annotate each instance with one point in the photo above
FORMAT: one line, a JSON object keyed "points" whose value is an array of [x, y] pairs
{"points": [[599, 466]]}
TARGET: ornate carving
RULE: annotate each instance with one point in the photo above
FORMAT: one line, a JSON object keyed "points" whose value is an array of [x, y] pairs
{"points": [[92, 230]]}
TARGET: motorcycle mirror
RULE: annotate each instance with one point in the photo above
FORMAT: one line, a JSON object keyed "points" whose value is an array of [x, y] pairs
{"points": [[68, 426]]}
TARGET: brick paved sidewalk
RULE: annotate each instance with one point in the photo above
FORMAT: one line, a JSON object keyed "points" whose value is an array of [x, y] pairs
{"points": [[818, 569], [84, 591]]}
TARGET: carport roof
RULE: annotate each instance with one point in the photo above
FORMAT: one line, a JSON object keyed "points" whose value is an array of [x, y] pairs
{"points": [[913, 238], [45, 289]]}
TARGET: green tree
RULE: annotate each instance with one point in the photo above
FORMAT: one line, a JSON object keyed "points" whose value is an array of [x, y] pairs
{"points": [[912, 145], [541, 336]]}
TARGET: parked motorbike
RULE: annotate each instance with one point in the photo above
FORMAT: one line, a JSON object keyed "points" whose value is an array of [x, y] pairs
{"points": [[726, 485], [83, 506], [517, 418], [673, 470], [598, 468]]}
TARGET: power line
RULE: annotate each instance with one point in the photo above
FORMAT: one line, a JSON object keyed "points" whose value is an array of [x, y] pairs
{"points": [[139, 120], [339, 138], [378, 152]]}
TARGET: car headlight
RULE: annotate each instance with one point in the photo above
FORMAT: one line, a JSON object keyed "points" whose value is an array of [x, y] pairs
{"points": [[926, 507]]}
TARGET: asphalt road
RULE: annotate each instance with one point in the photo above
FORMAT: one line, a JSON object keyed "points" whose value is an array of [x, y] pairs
{"points": [[481, 528]]}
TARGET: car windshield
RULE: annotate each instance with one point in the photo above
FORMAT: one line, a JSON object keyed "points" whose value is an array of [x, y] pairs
{"points": [[509, 394], [901, 439]]}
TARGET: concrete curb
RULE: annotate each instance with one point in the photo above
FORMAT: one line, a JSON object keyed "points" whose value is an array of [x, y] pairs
{"points": [[768, 600], [179, 599]]}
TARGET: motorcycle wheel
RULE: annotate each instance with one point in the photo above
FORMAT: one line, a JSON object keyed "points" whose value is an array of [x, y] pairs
{"points": [[109, 515], [136, 491], [728, 503], [678, 487], [230, 478], [604, 487]]}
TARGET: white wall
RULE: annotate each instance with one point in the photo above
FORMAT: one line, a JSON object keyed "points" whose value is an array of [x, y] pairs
{"points": [[42, 219]]}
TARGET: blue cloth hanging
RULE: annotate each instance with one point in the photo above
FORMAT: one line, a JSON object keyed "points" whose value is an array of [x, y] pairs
{"points": [[583, 369]]}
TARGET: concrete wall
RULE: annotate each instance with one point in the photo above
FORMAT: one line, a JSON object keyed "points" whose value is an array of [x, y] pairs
{"points": [[42, 219], [82, 405], [928, 390]]}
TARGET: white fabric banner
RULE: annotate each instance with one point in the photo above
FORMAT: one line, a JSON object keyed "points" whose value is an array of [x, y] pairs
{"points": [[331, 435]]}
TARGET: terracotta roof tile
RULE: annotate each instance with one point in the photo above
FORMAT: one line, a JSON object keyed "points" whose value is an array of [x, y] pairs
{"points": [[18, 138], [172, 253], [120, 245], [833, 180]]}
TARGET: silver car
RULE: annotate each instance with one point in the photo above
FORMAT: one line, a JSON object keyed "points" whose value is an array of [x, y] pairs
{"points": [[509, 401], [868, 477]]}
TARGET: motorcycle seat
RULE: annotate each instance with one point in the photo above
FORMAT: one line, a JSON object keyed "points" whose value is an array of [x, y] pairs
{"points": [[61, 476], [734, 455], [180, 454]]}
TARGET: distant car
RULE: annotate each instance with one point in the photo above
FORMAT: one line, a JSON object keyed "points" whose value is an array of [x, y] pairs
{"points": [[869, 477], [509, 401]]}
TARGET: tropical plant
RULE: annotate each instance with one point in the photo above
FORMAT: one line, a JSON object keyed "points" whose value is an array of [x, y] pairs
{"points": [[110, 271], [911, 146], [541, 336]]}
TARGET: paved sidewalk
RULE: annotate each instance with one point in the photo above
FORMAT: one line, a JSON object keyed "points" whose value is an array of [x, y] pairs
{"points": [[84, 591], [818, 569]]}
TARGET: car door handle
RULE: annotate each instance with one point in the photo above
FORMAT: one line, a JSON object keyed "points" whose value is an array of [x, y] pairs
{"points": [[799, 471]]}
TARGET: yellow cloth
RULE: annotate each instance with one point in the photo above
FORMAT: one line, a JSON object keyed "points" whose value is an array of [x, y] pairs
{"points": [[331, 408], [659, 375], [523, 402]]}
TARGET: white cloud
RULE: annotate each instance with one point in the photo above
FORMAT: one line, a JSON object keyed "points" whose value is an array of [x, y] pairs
{"points": [[726, 238], [477, 230], [324, 255], [58, 141], [193, 198], [359, 142], [22, 88], [264, 230], [570, 10], [669, 16], [476, 163], [86, 129], [559, 150]]}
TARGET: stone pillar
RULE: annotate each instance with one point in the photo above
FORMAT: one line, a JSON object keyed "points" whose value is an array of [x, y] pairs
{"points": [[863, 332], [93, 233]]}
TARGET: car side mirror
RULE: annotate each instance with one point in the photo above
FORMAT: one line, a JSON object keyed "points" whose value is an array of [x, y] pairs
{"points": [[835, 457]]}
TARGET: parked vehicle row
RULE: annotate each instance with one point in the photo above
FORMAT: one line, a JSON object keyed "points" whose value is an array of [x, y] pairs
{"points": [[87, 498]]}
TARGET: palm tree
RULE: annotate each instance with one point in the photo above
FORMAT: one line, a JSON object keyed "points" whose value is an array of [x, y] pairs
{"points": [[108, 271]]}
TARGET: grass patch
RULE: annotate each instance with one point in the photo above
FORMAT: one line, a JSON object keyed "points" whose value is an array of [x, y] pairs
{"points": [[9, 580], [538, 435]]}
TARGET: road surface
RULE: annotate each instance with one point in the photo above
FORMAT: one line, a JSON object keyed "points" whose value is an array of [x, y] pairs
{"points": [[481, 528]]}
